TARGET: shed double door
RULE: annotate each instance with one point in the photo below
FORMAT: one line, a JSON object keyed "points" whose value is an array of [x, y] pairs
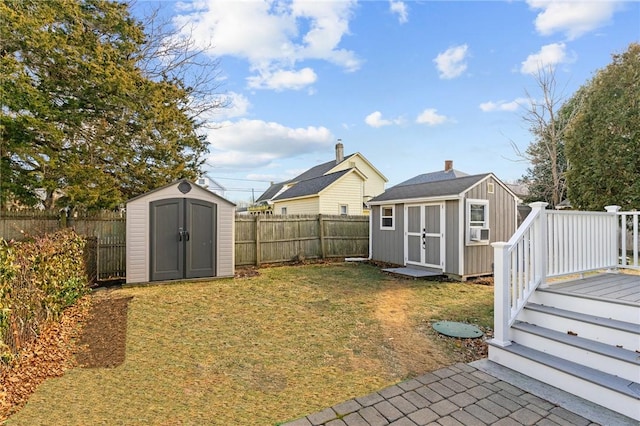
{"points": [[424, 235], [183, 239]]}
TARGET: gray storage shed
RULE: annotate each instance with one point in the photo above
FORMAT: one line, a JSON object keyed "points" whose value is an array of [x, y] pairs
{"points": [[179, 231], [443, 221]]}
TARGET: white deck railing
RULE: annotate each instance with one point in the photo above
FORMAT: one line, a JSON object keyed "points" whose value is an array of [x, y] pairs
{"points": [[552, 243]]}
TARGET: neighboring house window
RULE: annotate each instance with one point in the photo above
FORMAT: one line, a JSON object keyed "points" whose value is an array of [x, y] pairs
{"points": [[344, 209], [283, 210], [386, 218], [478, 222]]}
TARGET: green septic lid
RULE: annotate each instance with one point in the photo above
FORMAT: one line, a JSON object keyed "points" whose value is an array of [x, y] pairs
{"points": [[457, 329]]}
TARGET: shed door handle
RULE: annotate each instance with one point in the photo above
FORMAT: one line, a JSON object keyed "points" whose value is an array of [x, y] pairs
{"points": [[186, 235]]}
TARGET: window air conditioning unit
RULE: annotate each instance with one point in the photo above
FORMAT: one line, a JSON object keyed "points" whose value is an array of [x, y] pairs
{"points": [[479, 234]]}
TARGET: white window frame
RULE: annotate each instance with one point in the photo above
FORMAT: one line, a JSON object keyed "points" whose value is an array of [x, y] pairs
{"points": [[344, 207], [469, 225], [283, 210], [392, 217]]}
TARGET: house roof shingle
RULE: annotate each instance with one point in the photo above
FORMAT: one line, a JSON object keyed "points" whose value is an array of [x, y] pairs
{"points": [[271, 191], [318, 170], [434, 177], [437, 188], [311, 186]]}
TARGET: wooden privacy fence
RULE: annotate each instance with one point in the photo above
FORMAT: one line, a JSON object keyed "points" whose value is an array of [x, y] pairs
{"points": [[275, 239], [260, 239], [105, 232]]}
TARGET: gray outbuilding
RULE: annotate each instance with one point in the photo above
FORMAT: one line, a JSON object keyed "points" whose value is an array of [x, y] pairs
{"points": [[179, 231], [443, 221]]}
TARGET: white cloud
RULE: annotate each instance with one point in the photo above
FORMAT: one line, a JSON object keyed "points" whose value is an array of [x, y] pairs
{"points": [[502, 105], [281, 79], [549, 55], [272, 35], [573, 18], [375, 120], [248, 144], [237, 106], [431, 117], [400, 9], [451, 63]]}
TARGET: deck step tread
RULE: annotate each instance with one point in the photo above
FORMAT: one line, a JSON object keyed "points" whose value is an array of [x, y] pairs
{"points": [[615, 383], [592, 346], [591, 319], [628, 301]]}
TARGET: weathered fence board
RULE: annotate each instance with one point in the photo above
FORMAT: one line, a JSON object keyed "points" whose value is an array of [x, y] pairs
{"points": [[274, 239], [259, 239]]}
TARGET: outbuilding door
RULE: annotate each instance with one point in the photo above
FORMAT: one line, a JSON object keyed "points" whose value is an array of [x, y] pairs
{"points": [[424, 243], [183, 236]]}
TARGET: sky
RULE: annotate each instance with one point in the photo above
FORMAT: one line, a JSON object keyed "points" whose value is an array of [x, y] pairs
{"points": [[408, 84]]}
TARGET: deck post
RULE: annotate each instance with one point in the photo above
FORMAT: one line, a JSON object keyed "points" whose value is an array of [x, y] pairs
{"points": [[616, 236], [501, 291], [541, 251]]}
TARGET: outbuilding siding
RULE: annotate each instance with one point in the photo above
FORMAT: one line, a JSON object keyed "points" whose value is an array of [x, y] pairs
{"points": [[388, 245], [502, 222], [138, 229], [461, 259], [452, 250]]}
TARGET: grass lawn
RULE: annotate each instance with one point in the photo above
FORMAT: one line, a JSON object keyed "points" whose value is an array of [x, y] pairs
{"points": [[264, 349]]}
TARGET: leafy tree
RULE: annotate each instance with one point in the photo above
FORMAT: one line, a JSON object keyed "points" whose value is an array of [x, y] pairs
{"points": [[603, 139], [80, 117], [547, 118]]}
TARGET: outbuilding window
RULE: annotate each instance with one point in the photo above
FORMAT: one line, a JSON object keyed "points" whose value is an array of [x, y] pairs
{"points": [[477, 222], [344, 209], [387, 219]]}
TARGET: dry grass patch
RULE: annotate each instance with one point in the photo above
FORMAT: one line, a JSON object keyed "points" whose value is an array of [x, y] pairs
{"points": [[262, 349]]}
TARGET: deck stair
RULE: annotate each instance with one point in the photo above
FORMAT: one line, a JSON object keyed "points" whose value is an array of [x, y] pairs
{"points": [[588, 345]]}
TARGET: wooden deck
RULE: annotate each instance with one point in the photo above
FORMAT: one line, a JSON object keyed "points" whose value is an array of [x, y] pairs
{"points": [[621, 287]]}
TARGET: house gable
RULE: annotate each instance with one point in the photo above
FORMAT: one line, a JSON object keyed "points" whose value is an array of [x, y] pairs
{"points": [[324, 194], [373, 180]]}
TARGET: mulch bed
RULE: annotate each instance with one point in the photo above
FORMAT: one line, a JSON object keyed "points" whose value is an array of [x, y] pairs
{"points": [[103, 340], [91, 333]]}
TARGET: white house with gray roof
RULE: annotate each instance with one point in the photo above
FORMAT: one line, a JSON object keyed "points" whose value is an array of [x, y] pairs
{"points": [[443, 221], [338, 187]]}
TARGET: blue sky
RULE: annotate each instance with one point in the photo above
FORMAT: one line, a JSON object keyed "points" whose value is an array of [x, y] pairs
{"points": [[409, 84]]}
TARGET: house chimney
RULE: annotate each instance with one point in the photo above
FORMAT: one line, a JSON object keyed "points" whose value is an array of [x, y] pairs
{"points": [[448, 165], [339, 152]]}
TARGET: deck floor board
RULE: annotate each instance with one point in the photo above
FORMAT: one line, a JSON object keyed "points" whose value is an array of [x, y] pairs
{"points": [[610, 286]]}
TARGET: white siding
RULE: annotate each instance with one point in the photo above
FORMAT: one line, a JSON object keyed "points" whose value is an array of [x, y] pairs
{"points": [[309, 205], [225, 247], [374, 182], [137, 249], [346, 191]]}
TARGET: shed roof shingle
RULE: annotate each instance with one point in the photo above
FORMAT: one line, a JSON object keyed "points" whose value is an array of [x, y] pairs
{"points": [[438, 188]]}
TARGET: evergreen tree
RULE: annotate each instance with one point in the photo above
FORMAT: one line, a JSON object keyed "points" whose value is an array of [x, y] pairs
{"points": [[603, 139], [80, 118]]}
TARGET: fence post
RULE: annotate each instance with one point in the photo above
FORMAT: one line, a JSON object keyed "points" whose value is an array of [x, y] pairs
{"points": [[257, 229], [541, 241], [501, 289], [323, 250]]}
